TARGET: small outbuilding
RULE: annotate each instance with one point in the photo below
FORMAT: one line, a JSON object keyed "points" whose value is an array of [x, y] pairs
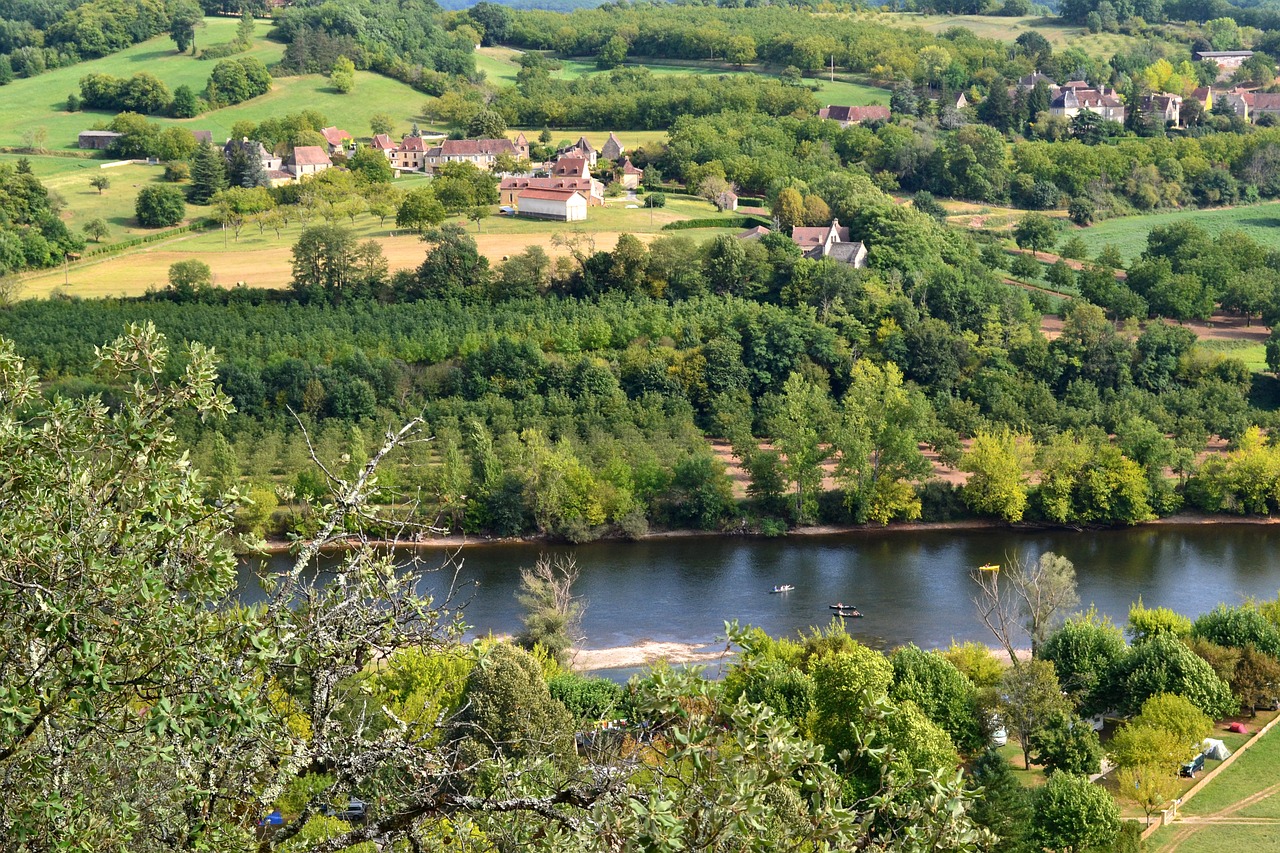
{"points": [[98, 140], [561, 205]]}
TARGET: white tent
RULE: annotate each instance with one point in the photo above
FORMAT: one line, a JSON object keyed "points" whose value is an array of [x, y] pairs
{"points": [[1215, 749]]}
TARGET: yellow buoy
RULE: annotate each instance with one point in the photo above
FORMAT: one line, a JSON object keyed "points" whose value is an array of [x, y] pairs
{"points": [[989, 567]]}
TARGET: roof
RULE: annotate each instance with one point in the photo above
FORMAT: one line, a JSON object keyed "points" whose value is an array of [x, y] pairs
{"points": [[103, 134], [521, 139], [1213, 54], [310, 155], [849, 253], [570, 183], [382, 142], [203, 136], [629, 168], [754, 233], [249, 146], [1266, 101], [278, 175], [1030, 81], [551, 195], [818, 235], [473, 148], [334, 135], [412, 143], [570, 166], [853, 114], [1085, 98]]}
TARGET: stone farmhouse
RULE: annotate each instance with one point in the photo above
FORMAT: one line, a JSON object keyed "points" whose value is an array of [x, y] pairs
{"points": [[1162, 110], [824, 241], [1077, 97], [582, 148], [481, 152], [830, 241], [337, 139], [308, 160], [612, 149]]}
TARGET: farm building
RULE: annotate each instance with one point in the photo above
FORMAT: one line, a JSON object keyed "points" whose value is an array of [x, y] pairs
{"points": [[561, 205]]}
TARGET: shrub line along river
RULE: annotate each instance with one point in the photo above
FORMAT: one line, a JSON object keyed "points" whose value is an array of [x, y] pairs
{"points": [[912, 586]]}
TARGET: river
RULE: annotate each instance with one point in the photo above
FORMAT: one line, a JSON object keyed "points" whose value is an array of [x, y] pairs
{"points": [[913, 587]]}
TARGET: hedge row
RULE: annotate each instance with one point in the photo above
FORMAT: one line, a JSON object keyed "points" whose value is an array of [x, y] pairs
{"points": [[732, 222]]}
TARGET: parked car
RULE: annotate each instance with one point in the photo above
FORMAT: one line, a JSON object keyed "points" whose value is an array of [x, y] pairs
{"points": [[1194, 766], [507, 210], [354, 812]]}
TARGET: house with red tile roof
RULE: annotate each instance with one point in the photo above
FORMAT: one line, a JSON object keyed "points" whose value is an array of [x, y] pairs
{"points": [[308, 160], [481, 152], [337, 138]]}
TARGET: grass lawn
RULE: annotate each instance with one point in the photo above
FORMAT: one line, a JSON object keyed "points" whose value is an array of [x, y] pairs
{"points": [[1058, 34], [39, 101], [1252, 775], [1129, 233], [69, 178], [1254, 355], [263, 260]]}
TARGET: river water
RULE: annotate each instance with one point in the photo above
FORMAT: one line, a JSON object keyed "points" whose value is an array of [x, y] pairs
{"points": [[911, 586]]}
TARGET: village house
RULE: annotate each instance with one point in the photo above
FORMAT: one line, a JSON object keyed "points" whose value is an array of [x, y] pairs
{"points": [[830, 241], [521, 142], [1075, 97], [253, 148], [1162, 110], [203, 137], [582, 148], [1204, 94], [628, 175], [382, 142], [853, 115], [1029, 82], [481, 152], [337, 139], [1238, 102], [308, 160], [1262, 104], [510, 188], [98, 140], [612, 149], [561, 205], [577, 168], [409, 155]]}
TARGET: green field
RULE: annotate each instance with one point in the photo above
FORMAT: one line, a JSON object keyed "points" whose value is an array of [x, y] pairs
{"points": [[1058, 33], [39, 101], [1257, 771], [500, 66], [1129, 233], [261, 259]]}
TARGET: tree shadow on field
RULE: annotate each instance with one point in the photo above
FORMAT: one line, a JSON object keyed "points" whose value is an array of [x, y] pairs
{"points": [[1262, 222]]}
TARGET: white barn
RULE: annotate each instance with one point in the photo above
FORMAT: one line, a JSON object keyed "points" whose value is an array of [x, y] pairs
{"points": [[562, 205]]}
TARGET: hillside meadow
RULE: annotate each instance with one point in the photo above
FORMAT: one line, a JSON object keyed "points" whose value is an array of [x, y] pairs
{"points": [[1129, 233], [500, 65], [260, 259], [41, 101]]}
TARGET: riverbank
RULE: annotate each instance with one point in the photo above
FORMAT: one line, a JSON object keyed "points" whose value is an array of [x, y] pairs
{"points": [[454, 542]]}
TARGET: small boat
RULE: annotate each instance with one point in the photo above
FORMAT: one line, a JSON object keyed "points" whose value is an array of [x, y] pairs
{"points": [[840, 606], [849, 613], [786, 587]]}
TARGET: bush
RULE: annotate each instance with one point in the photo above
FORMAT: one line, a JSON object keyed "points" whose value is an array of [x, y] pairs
{"points": [[729, 222], [160, 206], [587, 699]]}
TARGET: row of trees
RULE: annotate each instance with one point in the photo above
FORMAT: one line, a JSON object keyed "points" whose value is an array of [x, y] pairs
{"points": [[231, 82], [219, 713]]}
